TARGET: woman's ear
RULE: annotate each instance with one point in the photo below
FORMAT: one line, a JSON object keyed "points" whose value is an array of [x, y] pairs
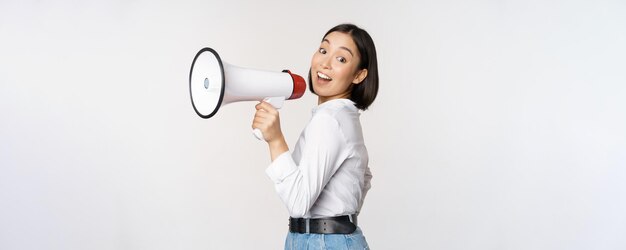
{"points": [[360, 76]]}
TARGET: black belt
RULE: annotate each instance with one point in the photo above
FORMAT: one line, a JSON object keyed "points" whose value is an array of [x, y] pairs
{"points": [[345, 224]]}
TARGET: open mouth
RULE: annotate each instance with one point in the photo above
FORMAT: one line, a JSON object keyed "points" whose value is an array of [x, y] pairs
{"points": [[324, 77]]}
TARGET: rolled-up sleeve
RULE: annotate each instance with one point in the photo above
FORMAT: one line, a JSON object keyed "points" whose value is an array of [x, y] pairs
{"points": [[300, 184], [281, 168]]}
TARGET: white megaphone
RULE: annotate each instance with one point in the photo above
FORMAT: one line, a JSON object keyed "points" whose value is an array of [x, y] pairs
{"points": [[214, 83]]}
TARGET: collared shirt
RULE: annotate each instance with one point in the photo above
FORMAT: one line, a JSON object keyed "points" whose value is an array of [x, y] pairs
{"points": [[327, 174]]}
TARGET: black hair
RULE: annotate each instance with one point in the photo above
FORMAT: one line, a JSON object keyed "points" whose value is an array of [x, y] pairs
{"points": [[364, 93]]}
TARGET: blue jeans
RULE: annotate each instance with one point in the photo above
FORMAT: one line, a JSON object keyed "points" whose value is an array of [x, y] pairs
{"points": [[355, 240]]}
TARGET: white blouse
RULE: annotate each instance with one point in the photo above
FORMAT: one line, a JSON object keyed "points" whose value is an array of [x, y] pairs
{"points": [[327, 173]]}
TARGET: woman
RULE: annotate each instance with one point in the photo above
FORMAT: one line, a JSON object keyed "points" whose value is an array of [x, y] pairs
{"points": [[324, 180]]}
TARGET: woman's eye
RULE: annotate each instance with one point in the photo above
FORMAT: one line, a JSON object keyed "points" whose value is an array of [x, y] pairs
{"points": [[322, 50], [341, 59]]}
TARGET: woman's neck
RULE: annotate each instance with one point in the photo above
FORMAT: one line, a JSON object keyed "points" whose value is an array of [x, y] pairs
{"points": [[323, 99]]}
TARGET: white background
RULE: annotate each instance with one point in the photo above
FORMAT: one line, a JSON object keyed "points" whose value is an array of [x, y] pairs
{"points": [[498, 125]]}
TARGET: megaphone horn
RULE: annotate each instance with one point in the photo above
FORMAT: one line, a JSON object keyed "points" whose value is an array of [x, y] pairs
{"points": [[214, 83]]}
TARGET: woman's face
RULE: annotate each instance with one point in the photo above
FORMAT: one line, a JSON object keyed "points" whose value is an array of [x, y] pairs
{"points": [[334, 67]]}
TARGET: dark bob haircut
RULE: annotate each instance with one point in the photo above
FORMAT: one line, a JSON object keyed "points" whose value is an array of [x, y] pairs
{"points": [[362, 94]]}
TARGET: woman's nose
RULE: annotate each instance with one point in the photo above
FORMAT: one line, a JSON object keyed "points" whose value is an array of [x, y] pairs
{"points": [[325, 62]]}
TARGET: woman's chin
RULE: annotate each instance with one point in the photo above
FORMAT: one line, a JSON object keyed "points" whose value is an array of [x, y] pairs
{"points": [[320, 90], [321, 85]]}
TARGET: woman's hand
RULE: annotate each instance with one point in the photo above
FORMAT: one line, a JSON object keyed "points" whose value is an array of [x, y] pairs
{"points": [[267, 120]]}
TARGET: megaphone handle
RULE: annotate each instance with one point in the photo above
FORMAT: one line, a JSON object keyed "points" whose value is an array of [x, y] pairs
{"points": [[258, 134], [277, 102]]}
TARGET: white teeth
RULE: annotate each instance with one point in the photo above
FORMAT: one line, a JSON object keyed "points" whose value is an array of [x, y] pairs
{"points": [[325, 77]]}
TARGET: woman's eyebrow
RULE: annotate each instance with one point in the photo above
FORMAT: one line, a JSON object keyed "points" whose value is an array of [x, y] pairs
{"points": [[341, 47]]}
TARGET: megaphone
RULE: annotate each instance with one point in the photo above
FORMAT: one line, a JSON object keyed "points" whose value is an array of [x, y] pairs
{"points": [[214, 83]]}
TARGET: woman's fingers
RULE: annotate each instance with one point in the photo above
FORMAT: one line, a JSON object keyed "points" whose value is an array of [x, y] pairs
{"points": [[262, 123], [263, 119], [267, 107], [267, 120]]}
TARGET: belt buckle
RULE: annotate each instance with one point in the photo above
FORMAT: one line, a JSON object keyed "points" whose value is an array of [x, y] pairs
{"points": [[307, 223]]}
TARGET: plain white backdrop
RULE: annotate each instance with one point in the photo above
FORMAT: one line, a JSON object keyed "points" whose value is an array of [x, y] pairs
{"points": [[498, 125]]}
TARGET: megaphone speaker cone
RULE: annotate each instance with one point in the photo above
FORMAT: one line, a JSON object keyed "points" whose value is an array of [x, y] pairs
{"points": [[206, 82]]}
